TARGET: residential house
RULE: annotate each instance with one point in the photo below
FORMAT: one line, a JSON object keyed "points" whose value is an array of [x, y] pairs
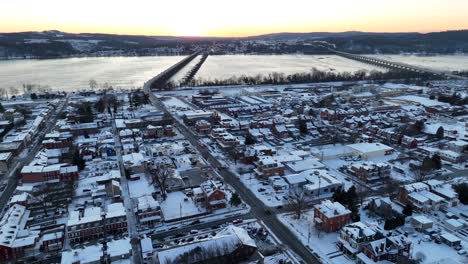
{"points": [[148, 211], [268, 166], [330, 216]]}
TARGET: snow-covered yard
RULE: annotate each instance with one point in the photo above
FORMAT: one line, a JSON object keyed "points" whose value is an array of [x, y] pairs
{"points": [[324, 244], [263, 190], [178, 205], [140, 187]]}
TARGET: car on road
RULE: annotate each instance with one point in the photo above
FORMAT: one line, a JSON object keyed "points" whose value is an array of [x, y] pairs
{"points": [[237, 221], [193, 232]]}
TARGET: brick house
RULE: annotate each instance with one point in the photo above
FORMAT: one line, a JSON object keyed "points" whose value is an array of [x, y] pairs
{"points": [[387, 249], [92, 223], [203, 127], [214, 194], [331, 216], [267, 166], [39, 173]]}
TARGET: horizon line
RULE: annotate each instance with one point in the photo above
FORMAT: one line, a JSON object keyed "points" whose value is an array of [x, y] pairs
{"points": [[246, 36]]}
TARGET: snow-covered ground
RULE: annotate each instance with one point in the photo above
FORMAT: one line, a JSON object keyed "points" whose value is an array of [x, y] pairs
{"points": [[269, 196], [324, 244], [174, 103], [178, 205], [420, 100], [140, 187]]}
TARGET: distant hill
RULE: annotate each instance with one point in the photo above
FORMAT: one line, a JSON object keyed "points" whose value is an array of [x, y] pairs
{"points": [[55, 44], [322, 35]]}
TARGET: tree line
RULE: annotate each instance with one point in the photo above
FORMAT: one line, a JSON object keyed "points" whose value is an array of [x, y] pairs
{"points": [[315, 75]]}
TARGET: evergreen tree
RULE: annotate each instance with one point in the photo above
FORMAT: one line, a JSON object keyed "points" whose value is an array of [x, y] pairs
{"points": [[440, 133], [303, 126], [2, 109], [235, 200], [427, 164], [462, 191], [78, 160], [249, 140], [408, 210], [436, 161]]}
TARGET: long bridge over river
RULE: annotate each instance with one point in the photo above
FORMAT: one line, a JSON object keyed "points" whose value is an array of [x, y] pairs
{"points": [[396, 65]]}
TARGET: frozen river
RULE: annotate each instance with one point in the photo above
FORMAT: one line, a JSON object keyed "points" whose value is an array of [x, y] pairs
{"points": [[128, 72]]}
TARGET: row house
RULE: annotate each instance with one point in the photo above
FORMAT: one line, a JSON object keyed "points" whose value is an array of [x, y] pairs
{"points": [[260, 134], [280, 131], [217, 133], [410, 142], [339, 114], [93, 223], [203, 127], [57, 140], [428, 195], [6, 159], [16, 240], [253, 152], [353, 237], [458, 145], [390, 248], [330, 216], [81, 129], [51, 242], [191, 117], [370, 171], [148, 211], [227, 140], [159, 131], [39, 173], [268, 166]]}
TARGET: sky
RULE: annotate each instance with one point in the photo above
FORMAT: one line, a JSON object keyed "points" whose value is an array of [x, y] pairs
{"points": [[231, 18]]}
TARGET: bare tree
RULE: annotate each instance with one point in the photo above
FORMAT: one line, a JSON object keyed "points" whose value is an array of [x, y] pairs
{"points": [[390, 187], [419, 175], [159, 173], [297, 201], [93, 84], [3, 92], [13, 90]]}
